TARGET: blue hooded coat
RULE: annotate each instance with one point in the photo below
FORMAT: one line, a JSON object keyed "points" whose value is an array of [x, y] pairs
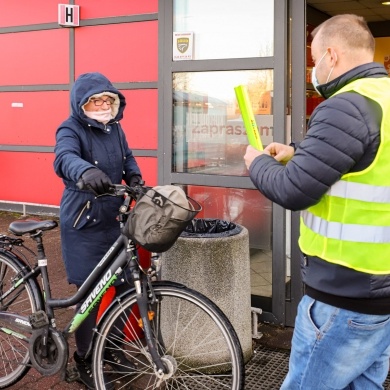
{"points": [[88, 224]]}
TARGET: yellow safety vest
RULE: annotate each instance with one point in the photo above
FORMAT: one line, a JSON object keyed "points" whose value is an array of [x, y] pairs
{"points": [[350, 225]]}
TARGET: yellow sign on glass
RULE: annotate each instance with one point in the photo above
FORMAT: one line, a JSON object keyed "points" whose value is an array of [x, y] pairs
{"points": [[249, 119]]}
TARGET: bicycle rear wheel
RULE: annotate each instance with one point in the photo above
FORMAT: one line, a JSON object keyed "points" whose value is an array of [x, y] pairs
{"points": [[197, 343], [24, 300]]}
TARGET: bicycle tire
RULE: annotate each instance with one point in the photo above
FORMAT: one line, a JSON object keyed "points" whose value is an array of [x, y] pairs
{"points": [[195, 338], [26, 299]]}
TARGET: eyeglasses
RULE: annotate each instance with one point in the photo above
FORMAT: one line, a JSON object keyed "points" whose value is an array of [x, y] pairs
{"points": [[100, 102]]}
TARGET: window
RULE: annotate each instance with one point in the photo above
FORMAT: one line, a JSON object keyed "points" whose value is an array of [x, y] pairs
{"points": [[227, 28], [208, 134]]}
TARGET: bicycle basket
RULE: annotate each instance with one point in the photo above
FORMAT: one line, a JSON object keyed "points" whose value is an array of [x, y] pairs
{"points": [[159, 217]]}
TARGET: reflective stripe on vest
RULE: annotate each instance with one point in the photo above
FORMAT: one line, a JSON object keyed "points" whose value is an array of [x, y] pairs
{"points": [[346, 232], [363, 256], [350, 225], [359, 191]]}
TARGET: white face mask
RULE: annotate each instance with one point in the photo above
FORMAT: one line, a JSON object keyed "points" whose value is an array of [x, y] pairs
{"points": [[100, 116], [314, 79]]}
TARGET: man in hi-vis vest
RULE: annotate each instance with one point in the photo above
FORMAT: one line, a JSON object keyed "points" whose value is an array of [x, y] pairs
{"points": [[339, 178]]}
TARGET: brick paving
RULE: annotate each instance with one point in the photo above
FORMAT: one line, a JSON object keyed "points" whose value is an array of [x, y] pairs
{"points": [[280, 338], [265, 371]]}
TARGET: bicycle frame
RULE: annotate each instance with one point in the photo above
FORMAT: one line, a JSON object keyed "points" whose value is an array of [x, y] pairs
{"points": [[148, 323], [99, 281], [95, 289], [93, 285], [104, 275]]}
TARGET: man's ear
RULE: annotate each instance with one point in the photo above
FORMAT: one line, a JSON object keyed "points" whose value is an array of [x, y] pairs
{"points": [[333, 55]]}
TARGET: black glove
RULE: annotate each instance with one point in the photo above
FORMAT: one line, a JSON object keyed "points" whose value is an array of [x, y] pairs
{"points": [[134, 180], [96, 180]]}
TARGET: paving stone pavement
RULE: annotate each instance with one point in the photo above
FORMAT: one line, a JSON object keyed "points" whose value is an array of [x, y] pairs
{"points": [[263, 357], [266, 369]]}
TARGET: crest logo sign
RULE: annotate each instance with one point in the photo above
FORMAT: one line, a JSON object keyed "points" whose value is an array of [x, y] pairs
{"points": [[183, 44]]}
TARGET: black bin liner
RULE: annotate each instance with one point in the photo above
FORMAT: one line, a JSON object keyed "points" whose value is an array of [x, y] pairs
{"points": [[210, 228]]}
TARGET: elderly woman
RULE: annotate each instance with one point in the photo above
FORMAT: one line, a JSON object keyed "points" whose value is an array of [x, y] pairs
{"points": [[91, 146]]}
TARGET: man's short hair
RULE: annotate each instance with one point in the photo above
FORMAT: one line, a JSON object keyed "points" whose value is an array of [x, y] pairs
{"points": [[352, 30]]}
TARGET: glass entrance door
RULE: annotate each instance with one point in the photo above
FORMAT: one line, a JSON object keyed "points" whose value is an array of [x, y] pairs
{"points": [[208, 48]]}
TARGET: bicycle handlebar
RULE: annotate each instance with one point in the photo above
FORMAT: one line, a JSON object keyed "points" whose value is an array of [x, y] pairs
{"points": [[116, 189], [119, 190]]}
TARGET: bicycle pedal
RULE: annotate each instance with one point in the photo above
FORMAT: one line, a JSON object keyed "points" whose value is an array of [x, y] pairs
{"points": [[71, 374], [38, 319]]}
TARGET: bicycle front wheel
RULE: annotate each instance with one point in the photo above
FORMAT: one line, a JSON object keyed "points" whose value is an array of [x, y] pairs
{"points": [[23, 300], [196, 342]]}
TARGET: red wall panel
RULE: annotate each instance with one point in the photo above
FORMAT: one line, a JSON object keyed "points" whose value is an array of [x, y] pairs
{"points": [[35, 57], [37, 121], [103, 8], [22, 12], [25, 12], [34, 125], [31, 177], [125, 52], [140, 118], [148, 167]]}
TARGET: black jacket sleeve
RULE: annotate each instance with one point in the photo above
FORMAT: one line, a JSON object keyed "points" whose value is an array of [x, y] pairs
{"points": [[342, 132]]}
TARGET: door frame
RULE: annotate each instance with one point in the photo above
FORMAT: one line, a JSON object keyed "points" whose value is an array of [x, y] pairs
{"points": [[289, 26]]}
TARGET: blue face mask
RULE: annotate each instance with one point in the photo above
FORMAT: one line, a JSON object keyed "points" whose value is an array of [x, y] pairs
{"points": [[314, 80]]}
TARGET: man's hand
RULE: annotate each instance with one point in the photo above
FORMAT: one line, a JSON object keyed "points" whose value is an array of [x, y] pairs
{"points": [[251, 154], [280, 152]]}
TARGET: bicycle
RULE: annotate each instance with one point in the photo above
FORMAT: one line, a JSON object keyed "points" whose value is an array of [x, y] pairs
{"points": [[148, 322]]}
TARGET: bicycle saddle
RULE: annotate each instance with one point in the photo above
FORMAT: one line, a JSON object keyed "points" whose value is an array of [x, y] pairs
{"points": [[30, 226]]}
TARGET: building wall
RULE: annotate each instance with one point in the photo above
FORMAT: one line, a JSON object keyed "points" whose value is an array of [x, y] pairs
{"points": [[118, 39]]}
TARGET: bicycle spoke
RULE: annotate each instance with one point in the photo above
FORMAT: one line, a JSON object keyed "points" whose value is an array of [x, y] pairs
{"points": [[14, 353], [199, 348]]}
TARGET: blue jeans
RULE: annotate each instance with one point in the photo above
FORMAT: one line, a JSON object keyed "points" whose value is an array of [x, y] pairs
{"points": [[337, 349]]}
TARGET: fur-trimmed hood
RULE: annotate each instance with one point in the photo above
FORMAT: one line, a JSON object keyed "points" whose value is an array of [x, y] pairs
{"points": [[94, 84]]}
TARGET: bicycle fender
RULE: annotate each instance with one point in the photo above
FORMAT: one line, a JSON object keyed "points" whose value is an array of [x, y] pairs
{"points": [[124, 295], [131, 291], [25, 268]]}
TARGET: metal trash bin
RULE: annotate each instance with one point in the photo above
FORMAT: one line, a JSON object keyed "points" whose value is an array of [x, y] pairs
{"points": [[212, 257]]}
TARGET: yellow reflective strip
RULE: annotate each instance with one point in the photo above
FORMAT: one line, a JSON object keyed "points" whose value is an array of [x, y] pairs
{"points": [[352, 211]]}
